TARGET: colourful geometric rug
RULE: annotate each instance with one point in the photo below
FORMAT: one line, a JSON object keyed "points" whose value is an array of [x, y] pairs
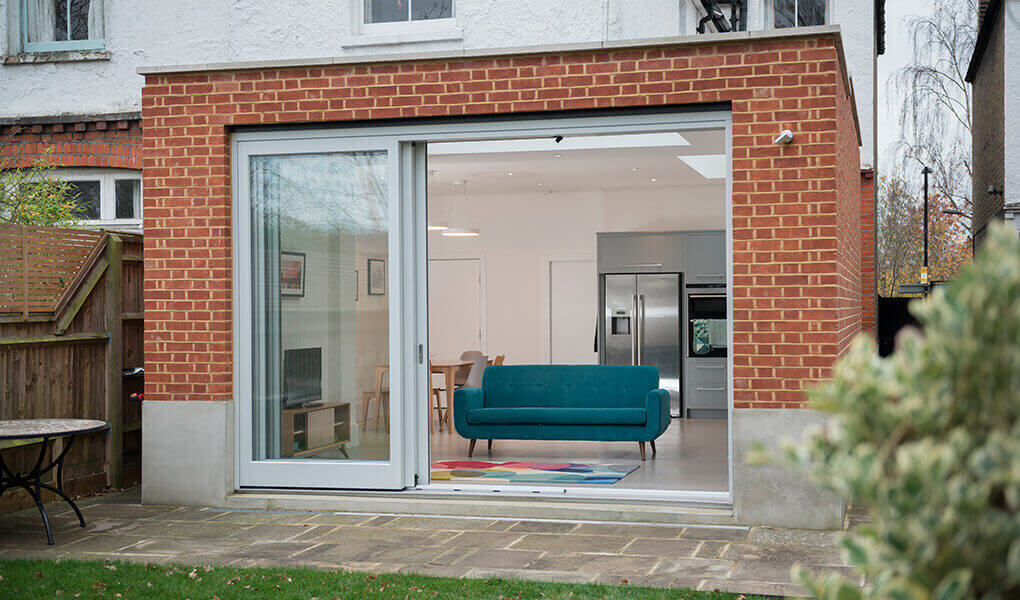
{"points": [[529, 472]]}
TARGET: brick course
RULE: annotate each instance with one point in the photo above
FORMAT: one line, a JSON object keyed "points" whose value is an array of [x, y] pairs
{"points": [[796, 208], [116, 143]]}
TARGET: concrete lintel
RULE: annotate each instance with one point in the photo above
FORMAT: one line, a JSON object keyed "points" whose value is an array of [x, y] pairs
{"points": [[681, 40], [75, 118]]}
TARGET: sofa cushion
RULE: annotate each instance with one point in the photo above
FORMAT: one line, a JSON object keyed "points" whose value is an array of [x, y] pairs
{"points": [[536, 415], [568, 386]]}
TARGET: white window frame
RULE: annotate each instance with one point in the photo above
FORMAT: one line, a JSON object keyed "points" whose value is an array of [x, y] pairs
{"points": [[770, 13], [400, 32], [107, 192], [57, 46]]}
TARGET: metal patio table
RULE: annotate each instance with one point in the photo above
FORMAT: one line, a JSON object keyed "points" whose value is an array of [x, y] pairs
{"points": [[31, 482]]}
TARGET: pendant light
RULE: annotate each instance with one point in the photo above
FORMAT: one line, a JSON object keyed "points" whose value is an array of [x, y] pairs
{"points": [[459, 223], [438, 225]]}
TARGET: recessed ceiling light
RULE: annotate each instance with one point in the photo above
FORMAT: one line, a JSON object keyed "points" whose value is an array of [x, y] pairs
{"points": [[510, 173], [540, 183], [557, 155], [633, 169], [654, 180]]}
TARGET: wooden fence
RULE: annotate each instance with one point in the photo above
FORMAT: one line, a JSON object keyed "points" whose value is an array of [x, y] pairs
{"points": [[71, 318]]}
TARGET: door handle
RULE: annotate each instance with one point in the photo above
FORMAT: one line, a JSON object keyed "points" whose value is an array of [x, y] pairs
{"points": [[710, 366], [634, 342], [641, 265], [716, 389], [640, 327]]}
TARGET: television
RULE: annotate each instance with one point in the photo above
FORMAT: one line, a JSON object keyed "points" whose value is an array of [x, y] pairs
{"points": [[302, 376]]}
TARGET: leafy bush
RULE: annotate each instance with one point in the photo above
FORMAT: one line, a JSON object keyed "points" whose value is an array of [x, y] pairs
{"points": [[929, 440], [30, 195]]}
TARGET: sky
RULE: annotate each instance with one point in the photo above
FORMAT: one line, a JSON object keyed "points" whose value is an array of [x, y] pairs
{"points": [[898, 52]]}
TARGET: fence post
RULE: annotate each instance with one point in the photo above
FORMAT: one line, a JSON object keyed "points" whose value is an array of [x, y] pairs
{"points": [[114, 359], [24, 271]]}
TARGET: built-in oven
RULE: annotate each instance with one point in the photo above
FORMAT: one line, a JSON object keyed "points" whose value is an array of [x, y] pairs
{"points": [[706, 323]]}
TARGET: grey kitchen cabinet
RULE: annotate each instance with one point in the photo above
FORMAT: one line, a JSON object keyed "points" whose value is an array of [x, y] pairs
{"points": [[640, 252], [705, 401], [706, 257]]}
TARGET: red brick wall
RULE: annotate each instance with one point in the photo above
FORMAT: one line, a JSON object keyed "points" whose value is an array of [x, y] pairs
{"points": [[794, 272], [869, 307], [98, 143]]}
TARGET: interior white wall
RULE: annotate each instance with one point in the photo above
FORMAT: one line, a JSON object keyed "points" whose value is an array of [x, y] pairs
{"points": [[521, 232]]}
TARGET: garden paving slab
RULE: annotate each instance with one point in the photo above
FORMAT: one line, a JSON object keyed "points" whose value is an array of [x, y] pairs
{"points": [[595, 563], [661, 547], [742, 560], [491, 558]]}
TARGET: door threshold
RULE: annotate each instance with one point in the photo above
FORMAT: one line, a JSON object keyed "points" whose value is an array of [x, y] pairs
{"points": [[441, 503]]}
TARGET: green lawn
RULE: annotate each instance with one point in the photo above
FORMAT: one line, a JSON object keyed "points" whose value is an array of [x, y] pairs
{"points": [[31, 579]]}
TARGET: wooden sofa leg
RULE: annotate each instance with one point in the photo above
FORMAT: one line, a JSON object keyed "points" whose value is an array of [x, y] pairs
{"points": [[653, 447], [642, 446], [471, 448], [490, 447]]}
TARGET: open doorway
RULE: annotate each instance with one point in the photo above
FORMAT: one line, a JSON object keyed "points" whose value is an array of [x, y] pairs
{"points": [[552, 255]]}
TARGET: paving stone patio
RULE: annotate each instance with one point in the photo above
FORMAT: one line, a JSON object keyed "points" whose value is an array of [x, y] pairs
{"points": [[753, 560]]}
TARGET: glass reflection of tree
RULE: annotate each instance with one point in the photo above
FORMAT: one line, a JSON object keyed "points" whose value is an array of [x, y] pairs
{"points": [[329, 194]]}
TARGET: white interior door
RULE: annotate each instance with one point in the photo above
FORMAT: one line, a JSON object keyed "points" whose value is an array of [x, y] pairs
{"points": [[573, 311], [455, 307]]}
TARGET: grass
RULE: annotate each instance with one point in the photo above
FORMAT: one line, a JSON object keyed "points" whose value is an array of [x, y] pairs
{"points": [[32, 579]]}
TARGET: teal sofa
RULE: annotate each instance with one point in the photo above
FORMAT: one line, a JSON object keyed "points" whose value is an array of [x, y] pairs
{"points": [[564, 402]]}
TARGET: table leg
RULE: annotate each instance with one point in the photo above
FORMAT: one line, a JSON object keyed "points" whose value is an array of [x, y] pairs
{"points": [[448, 378], [32, 483]]}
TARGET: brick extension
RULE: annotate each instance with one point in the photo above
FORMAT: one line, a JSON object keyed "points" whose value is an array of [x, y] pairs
{"points": [[113, 141], [796, 208]]}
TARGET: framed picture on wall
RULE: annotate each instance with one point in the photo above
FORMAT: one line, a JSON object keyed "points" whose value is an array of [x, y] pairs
{"points": [[376, 277], [292, 274]]}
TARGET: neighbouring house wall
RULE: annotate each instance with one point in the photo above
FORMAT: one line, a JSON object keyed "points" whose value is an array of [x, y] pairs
{"points": [[849, 286], [193, 31], [105, 141], [1011, 111], [989, 130], [522, 232]]}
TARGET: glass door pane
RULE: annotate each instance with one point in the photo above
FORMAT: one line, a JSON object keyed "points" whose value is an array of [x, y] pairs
{"points": [[320, 351]]}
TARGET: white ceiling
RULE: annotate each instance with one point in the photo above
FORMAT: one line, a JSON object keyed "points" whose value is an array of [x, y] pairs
{"points": [[615, 168]]}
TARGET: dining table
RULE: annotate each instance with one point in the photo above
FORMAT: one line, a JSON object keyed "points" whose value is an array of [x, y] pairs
{"points": [[45, 431], [448, 369]]}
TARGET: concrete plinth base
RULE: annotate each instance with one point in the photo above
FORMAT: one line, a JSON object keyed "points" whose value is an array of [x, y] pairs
{"points": [[187, 452], [773, 495]]}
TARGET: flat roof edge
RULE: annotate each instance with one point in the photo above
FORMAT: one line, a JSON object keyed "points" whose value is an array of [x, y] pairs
{"points": [[681, 40]]}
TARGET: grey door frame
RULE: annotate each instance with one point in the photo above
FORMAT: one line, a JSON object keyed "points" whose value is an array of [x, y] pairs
{"points": [[411, 138]]}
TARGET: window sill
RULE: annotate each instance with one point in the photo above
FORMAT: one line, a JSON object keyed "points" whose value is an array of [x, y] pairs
{"points": [[30, 58], [403, 37]]}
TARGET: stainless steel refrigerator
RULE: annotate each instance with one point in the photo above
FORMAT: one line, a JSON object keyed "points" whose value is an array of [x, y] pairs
{"points": [[640, 325]]}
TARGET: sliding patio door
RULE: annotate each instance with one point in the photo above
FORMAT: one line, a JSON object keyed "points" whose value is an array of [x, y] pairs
{"points": [[321, 361]]}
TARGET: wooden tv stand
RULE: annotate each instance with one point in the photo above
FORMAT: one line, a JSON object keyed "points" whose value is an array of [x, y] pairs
{"points": [[316, 427]]}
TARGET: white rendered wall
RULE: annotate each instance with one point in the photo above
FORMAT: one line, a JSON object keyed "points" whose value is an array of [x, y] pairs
{"points": [[214, 31], [1011, 99]]}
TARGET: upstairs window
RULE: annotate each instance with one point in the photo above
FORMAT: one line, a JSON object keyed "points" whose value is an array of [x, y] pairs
{"points": [[56, 25], [404, 11], [798, 13]]}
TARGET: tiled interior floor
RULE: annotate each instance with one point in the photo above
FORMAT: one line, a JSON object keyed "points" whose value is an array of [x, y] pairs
{"points": [[692, 455], [738, 559]]}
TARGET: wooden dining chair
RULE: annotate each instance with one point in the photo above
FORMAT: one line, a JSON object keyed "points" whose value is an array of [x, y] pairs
{"points": [[460, 377], [474, 379], [500, 358], [381, 395]]}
